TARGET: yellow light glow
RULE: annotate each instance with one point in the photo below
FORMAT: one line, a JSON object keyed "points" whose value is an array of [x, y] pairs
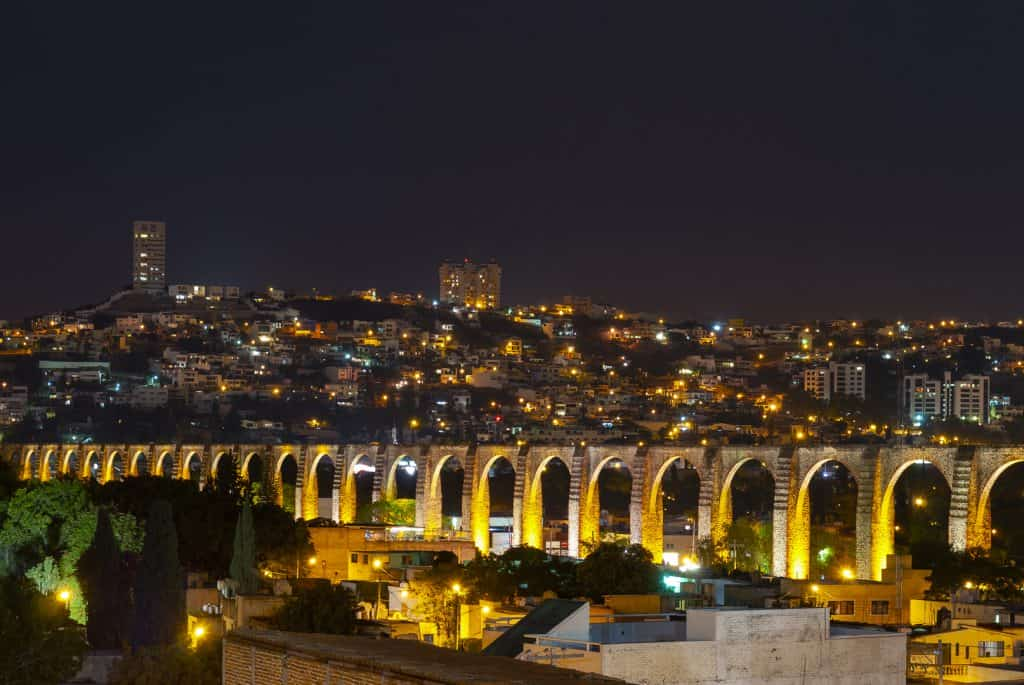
{"points": [[485, 610], [456, 588], [378, 564], [847, 574], [969, 585], [919, 501], [815, 589], [199, 632], [64, 595], [312, 561]]}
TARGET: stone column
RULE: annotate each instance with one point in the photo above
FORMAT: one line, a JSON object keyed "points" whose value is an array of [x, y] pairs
{"points": [[576, 484], [638, 473], [785, 496], [960, 497], [868, 493], [381, 474], [517, 499]]}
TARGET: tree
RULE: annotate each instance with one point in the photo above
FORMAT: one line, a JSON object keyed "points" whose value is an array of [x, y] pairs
{"points": [[435, 597], [613, 568], [171, 665], [36, 647], [322, 608], [396, 512], [243, 563], [102, 577], [159, 586]]}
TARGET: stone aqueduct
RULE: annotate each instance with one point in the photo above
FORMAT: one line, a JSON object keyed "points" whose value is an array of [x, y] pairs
{"points": [[970, 472]]}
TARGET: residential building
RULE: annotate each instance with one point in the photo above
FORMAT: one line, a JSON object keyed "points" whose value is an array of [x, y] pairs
{"points": [[470, 285], [149, 256], [13, 403], [922, 399], [967, 398], [836, 380]]}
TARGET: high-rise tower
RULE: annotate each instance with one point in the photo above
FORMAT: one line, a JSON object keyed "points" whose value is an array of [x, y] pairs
{"points": [[149, 256]]}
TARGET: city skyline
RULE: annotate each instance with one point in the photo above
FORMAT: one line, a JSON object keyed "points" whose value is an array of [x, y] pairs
{"points": [[655, 164]]}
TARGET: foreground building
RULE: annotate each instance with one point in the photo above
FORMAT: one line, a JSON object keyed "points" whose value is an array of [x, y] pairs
{"points": [[253, 656], [765, 646]]}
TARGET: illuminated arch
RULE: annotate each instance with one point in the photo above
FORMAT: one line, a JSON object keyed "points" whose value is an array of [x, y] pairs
{"points": [[883, 533], [140, 464], [247, 463], [391, 486], [533, 503], [980, 533], [311, 488], [480, 516], [285, 500], [162, 468], [50, 466], [92, 468], [434, 506], [590, 502], [349, 495], [186, 467], [798, 530], [29, 467], [653, 512], [69, 465], [114, 468]]}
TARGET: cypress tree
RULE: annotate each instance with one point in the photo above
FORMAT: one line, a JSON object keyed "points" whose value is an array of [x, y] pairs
{"points": [[243, 562], [102, 578], [159, 583]]}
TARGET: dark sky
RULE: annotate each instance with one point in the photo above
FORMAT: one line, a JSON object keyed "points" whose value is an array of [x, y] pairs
{"points": [[767, 160]]}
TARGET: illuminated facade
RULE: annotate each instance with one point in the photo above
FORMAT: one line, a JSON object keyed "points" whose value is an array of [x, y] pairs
{"points": [[149, 256], [970, 472], [465, 284]]}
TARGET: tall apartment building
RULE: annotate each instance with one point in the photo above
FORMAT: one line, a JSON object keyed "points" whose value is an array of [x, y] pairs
{"points": [[471, 285], [925, 399], [839, 379], [149, 256]]}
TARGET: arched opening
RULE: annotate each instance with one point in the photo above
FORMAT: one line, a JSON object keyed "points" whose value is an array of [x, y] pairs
{"points": [[546, 508], [358, 496], [252, 470], [1000, 510], [444, 499], [601, 504], [193, 469], [914, 516], [49, 467], [673, 503], [743, 530], [287, 475], [115, 468], [822, 532], [71, 464], [492, 506], [225, 473], [614, 487], [93, 466], [402, 484], [164, 465], [140, 464], [30, 467], [317, 494]]}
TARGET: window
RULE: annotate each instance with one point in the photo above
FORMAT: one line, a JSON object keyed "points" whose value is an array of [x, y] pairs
{"points": [[990, 649], [879, 607], [366, 558], [843, 608], [355, 558]]}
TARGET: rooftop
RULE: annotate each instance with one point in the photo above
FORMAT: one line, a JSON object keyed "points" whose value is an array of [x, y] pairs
{"points": [[414, 659]]}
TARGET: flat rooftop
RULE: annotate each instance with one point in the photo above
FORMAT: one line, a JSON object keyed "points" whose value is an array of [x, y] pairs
{"points": [[413, 659]]}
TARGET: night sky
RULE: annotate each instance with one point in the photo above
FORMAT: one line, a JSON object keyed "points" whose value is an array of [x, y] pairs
{"points": [[694, 159]]}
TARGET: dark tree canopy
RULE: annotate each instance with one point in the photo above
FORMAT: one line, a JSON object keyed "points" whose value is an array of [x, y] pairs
{"points": [[159, 584], [104, 584], [35, 649], [243, 563], [322, 608], [614, 569]]}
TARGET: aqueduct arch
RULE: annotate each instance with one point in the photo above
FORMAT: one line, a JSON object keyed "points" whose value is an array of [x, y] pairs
{"points": [[971, 474]]}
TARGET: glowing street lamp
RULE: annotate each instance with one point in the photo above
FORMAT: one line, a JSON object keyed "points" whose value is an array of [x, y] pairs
{"points": [[847, 574], [919, 501], [65, 596]]}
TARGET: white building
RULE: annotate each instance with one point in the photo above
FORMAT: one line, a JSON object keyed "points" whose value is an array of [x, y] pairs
{"points": [[467, 284], [925, 399], [839, 379], [725, 646], [149, 256]]}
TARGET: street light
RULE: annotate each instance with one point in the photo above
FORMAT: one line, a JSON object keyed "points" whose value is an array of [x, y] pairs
{"points": [[457, 589], [65, 596], [847, 574]]}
